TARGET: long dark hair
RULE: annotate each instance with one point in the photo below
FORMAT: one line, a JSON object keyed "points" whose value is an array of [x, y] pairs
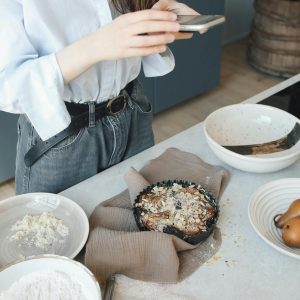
{"points": [[124, 6]]}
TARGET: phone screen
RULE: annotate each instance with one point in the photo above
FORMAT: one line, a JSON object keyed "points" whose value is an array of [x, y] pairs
{"points": [[198, 22], [195, 20]]}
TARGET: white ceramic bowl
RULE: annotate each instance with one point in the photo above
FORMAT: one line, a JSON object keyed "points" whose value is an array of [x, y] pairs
{"points": [[13, 272], [15, 208], [244, 124], [269, 200]]}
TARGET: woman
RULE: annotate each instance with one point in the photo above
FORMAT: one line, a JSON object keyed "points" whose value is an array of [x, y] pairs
{"points": [[76, 60]]}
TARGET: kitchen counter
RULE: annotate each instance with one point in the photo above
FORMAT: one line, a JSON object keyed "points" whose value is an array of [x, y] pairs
{"points": [[245, 266]]}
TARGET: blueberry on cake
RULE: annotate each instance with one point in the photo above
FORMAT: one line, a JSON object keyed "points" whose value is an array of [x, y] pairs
{"points": [[177, 207]]}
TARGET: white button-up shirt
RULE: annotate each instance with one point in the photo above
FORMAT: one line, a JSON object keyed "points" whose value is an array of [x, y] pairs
{"points": [[31, 83]]}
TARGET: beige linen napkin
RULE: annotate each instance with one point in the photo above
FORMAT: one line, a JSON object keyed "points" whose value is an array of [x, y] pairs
{"points": [[116, 246]]}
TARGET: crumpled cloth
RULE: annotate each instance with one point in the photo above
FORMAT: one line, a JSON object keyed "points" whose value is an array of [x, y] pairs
{"points": [[115, 244]]}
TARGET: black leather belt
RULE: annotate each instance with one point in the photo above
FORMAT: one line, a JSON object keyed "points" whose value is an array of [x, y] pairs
{"points": [[82, 115]]}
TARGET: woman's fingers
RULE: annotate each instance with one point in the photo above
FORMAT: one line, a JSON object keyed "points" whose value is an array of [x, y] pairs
{"points": [[161, 5], [145, 51], [153, 26], [174, 6], [149, 14], [152, 40], [179, 9]]}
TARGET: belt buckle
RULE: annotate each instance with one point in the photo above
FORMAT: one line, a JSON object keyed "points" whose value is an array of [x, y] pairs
{"points": [[111, 101]]}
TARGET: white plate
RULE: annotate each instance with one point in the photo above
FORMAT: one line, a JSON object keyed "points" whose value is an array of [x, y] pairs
{"points": [[269, 200], [15, 208], [15, 271]]}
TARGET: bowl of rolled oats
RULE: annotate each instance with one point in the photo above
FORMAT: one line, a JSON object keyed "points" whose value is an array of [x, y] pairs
{"points": [[41, 223], [177, 207]]}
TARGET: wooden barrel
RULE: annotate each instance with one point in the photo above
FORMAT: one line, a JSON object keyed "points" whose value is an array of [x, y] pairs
{"points": [[275, 37]]}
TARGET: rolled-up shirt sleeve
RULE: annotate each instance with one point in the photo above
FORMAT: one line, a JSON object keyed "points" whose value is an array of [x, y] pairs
{"points": [[29, 84], [158, 64]]}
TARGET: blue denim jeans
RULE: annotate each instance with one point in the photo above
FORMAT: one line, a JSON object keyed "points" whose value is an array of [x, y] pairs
{"points": [[88, 152]]}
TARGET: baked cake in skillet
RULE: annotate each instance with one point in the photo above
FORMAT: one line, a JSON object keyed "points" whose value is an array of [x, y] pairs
{"points": [[181, 208]]}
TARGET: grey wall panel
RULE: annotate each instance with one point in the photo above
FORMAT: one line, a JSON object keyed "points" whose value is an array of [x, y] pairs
{"points": [[8, 142], [197, 64], [197, 70], [239, 15]]}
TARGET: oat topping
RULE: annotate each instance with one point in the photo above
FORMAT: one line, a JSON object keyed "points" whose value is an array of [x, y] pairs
{"points": [[184, 208], [40, 231]]}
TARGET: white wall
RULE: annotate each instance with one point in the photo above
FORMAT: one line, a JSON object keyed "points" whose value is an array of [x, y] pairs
{"points": [[239, 14]]}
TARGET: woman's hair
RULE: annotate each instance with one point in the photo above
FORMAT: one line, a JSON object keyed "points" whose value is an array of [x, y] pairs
{"points": [[124, 6]]}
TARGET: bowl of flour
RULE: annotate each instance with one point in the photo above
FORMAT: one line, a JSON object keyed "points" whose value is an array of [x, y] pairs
{"points": [[48, 277]]}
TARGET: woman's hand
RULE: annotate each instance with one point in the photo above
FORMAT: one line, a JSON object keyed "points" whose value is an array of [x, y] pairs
{"points": [[179, 9], [136, 34], [140, 33], [174, 6]]}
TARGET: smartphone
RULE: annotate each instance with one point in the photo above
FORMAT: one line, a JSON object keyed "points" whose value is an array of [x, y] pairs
{"points": [[199, 22]]}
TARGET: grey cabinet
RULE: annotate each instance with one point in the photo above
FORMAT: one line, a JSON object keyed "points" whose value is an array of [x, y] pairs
{"points": [[197, 64], [8, 142]]}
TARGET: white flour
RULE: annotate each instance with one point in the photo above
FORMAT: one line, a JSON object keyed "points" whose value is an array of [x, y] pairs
{"points": [[45, 285]]}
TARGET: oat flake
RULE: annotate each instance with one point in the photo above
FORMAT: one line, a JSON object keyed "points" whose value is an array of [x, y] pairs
{"points": [[41, 231]]}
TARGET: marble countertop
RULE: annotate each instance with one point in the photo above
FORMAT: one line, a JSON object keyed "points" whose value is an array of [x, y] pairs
{"points": [[245, 266]]}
